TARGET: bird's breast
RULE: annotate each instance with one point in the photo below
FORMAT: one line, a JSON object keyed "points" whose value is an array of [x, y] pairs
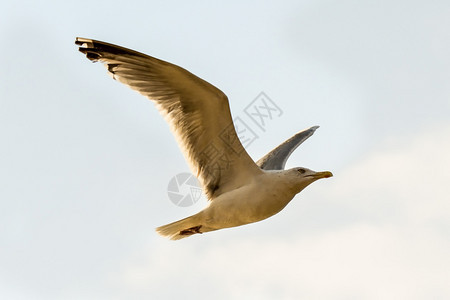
{"points": [[245, 205]]}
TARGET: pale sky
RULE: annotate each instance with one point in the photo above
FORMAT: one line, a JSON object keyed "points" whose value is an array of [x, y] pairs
{"points": [[85, 161]]}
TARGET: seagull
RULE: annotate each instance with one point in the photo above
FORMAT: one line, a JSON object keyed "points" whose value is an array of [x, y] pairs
{"points": [[239, 191]]}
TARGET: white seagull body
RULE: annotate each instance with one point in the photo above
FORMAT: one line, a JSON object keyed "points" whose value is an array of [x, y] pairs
{"points": [[239, 190]]}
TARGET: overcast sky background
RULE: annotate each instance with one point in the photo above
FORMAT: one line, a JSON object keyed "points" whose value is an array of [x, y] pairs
{"points": [[85, 161]]}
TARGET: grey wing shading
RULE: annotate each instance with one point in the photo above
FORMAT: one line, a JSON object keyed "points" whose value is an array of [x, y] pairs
{"points": [[198, 113], [276, 159]]}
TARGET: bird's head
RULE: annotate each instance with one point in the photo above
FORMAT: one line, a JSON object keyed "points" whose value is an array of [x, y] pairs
{"points": [[302, 177]]}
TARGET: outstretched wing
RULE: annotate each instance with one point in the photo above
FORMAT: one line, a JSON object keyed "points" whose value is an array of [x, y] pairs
{"points": [[198, 113], [276, 159]]}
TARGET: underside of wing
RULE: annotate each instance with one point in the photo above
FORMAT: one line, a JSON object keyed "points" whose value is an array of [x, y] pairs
{"points": [[276, 159], [198, 113]]}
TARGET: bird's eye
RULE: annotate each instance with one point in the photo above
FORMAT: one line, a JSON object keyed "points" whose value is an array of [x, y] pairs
{"points": [[301, 171]]}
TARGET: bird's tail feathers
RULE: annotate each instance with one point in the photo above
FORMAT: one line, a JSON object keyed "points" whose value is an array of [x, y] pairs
{"points": [[181, 229]]}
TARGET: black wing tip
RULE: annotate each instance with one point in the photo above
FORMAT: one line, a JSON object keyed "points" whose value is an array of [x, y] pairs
{"points": [[80, 41], [305, 133], [88, 47], [95, 50]]}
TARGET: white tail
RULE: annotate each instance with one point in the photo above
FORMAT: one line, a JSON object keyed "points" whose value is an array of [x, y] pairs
{"points": [[181, 229]]}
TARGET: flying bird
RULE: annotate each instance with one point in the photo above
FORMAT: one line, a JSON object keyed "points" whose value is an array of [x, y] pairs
{"points": [[239, 191]]}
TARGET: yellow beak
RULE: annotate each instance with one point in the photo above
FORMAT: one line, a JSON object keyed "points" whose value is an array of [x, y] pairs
{"points": [[325, 174]]}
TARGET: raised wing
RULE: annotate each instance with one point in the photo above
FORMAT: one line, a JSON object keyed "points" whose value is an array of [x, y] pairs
{"points": [[198, 113], [276, 159]]}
